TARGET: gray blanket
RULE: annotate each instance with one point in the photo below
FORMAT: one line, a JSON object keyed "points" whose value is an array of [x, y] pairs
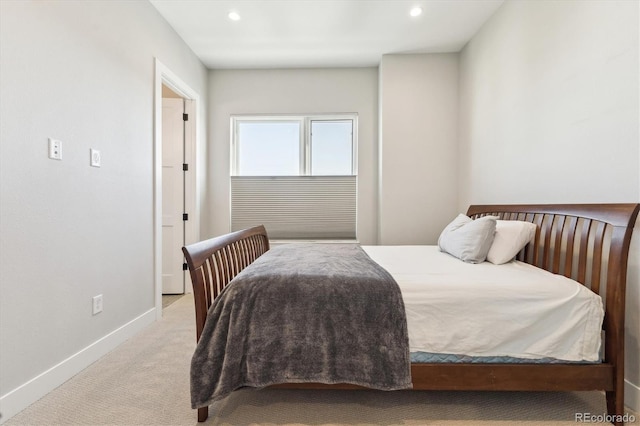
{"points": [[304, 313]]}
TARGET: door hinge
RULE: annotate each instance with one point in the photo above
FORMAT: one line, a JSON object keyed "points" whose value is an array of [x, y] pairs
{"points": [[184, 267], [185, 117], [185, 216], [185, 167]]}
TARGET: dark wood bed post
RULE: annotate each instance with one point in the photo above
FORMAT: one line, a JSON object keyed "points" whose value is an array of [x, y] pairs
{"points": [[615, 318], [203, 414]]}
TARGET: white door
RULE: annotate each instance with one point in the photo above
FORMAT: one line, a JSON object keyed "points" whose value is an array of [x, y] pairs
{"points": [[172, 196]]}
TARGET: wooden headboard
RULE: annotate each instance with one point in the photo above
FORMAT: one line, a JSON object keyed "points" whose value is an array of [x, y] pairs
{"points": [[574, 239]]}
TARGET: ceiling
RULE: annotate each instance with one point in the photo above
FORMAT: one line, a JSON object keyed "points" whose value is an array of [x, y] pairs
{"points": [[321, 33]]}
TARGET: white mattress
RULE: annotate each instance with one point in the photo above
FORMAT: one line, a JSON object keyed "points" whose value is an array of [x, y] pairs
{"points": [[513, 310]]}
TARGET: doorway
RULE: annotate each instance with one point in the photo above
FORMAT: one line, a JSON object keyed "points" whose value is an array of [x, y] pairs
{"points": [[175, 214]]}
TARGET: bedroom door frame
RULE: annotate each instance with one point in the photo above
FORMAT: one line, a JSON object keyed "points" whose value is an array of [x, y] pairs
{"points": [[164, 76]]}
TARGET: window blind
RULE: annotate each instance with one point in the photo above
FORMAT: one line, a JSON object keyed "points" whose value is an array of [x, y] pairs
{"points": [[295, 207]]}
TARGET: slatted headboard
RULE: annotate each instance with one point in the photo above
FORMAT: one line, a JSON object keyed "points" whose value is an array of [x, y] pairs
{"points": [[589, 227]]}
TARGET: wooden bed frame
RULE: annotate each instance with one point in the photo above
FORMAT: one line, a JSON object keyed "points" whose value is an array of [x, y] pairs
{"points": [[586, 242]]}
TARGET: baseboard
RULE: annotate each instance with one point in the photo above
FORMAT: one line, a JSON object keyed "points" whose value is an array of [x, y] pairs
{"points": [[632, 396], [21, 397]]}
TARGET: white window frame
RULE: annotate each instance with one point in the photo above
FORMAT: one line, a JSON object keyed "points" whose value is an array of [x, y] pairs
{"points": [[305, 137]]}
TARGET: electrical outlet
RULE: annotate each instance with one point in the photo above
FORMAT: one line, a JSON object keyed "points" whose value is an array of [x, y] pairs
{"points": [[97, 304], [55, 149]]}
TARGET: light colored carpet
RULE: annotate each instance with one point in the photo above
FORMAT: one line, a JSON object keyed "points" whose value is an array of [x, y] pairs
{"points": [[168, 299], [145, 381]]}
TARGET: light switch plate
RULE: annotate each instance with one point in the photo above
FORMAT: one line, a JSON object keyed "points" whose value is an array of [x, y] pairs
{"points": [[95, 158], [55, 149]]}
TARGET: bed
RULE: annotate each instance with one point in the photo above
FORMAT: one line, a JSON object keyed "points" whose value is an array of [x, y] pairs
{"points": [[588, 243]]}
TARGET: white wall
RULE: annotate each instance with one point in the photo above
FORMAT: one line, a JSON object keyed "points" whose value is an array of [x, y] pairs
{"points": [[549, 114], [418, 147], [81, 72], [292, 91]]}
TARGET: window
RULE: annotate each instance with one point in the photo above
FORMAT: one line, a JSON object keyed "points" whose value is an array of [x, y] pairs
{"points": [[294, 174], [268, 148], [331, 147], [293, 146]]}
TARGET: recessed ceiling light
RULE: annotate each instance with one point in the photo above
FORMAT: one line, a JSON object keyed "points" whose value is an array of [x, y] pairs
{"points": [[234, 16], [416, 11]]}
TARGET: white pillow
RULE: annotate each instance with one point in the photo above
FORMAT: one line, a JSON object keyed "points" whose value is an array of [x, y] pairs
{"points": [[468, 240], [511, 237]]}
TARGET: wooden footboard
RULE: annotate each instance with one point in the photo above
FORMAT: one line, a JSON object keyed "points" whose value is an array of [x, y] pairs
{"points": [[588, 243], [215, 262]]}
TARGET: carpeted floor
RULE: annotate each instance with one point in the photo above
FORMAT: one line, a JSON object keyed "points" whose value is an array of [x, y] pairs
{"points": [[145, 381], [168, 299]]}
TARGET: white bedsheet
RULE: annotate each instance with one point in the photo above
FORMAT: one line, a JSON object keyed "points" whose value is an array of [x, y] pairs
{"points": [[483, 309]]}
